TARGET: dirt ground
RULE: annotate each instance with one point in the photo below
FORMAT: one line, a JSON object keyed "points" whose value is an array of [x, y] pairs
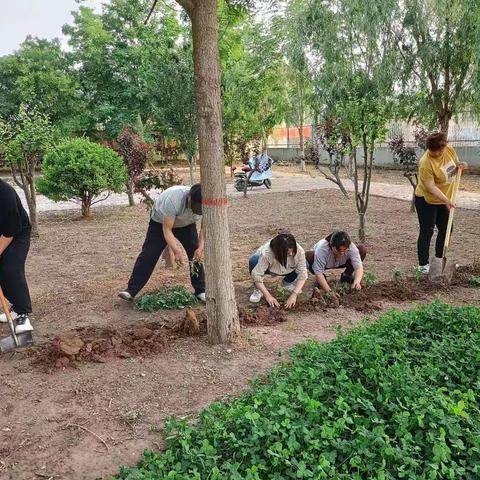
{"points": [[82, 416]]}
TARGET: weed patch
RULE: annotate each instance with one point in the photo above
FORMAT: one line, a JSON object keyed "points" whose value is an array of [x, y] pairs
{"points": [[171, 298]]}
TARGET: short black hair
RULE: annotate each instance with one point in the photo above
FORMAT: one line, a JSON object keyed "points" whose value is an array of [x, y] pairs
{"points": [[196, 198], [280, 245], [340, 239]]}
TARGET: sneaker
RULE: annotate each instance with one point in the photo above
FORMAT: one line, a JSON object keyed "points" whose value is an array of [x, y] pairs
{"points": [[288, 286], [256, 296], [23, 324], [423, 269], [202, 297], [3, 317], [125, 295]]}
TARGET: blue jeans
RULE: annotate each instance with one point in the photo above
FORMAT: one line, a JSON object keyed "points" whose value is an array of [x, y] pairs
{"points": [[253, 260]]}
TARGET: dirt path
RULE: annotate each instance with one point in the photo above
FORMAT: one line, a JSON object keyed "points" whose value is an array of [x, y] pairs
{"points": [[387, 184], [54, 420]]}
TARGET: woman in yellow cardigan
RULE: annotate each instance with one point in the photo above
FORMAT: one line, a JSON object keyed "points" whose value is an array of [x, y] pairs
{"points": [[437, 170]]}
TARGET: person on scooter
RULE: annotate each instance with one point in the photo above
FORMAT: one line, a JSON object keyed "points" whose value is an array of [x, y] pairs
{"points": [[282, 256], [337, 251], [15, 233]]}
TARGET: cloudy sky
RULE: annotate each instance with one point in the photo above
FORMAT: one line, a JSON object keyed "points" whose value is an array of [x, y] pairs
{"points": [[39, 18]]}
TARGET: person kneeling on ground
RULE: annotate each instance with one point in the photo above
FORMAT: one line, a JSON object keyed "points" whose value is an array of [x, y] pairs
{"points": [[337, 251], [173, 216], [15, 233], [281, 256]]}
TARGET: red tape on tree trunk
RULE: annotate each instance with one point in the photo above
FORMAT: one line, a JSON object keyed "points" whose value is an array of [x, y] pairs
{"points": [[215, 202]]}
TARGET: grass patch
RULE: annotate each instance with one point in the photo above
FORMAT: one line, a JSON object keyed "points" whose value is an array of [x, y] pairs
{"points": [[393, 400], [170, 298], [474, 281]]}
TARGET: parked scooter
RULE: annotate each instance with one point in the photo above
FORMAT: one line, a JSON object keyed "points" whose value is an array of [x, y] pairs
{"points": [[258, 172]]}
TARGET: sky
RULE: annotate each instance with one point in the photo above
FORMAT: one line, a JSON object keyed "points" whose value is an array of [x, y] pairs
{"points": [[39, 18]]}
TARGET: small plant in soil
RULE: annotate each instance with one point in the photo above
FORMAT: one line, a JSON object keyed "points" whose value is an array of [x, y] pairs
{"points": [[343, 288], [398, 276], [282, 294], [418, 275], [474, 281], [369, 279], [170, 298]]}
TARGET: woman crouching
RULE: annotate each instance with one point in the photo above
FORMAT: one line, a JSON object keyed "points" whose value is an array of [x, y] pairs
{"points": [[284, 257]]}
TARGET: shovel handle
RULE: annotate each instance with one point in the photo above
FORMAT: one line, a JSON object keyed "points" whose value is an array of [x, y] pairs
{"points": [[6, 310], [452, 211]]}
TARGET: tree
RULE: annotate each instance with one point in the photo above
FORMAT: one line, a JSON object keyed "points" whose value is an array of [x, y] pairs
{"points": [[407, 158], [354, 63], [80, 171], [39, 77], [24, 141], [222, 314], [135, 156], [439, 44], [116, 58], [336, 143], [291, 33]]}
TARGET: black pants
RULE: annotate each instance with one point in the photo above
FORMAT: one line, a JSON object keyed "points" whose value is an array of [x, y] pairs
{"points": [[429, 217], [12, 274], [153, 247]]}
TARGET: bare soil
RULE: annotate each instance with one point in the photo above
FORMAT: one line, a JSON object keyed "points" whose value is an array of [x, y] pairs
{"points": [[102, 379]]}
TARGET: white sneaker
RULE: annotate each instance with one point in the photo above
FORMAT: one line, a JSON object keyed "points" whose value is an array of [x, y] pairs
{"points": [[256, 296], [423, 269], [3, 317], [23, 324], [288, 286], [126, 296], [202, 297]]}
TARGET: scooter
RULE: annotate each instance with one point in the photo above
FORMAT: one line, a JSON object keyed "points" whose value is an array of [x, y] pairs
{"points": [[257, 173]]}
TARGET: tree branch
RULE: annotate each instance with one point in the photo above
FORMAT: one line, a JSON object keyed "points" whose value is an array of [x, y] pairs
{"points": [[188, 5]]}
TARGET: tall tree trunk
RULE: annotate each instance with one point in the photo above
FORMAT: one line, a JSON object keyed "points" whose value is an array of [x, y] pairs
{"points": [[361, 228], [222, 314], [131, 198], [302, 148], [86, 204], [190, 168], [444, 120]]}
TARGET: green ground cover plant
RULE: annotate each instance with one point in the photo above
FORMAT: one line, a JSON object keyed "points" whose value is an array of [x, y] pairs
{"points": [[397, 399], [474, 281], [170, 298]]}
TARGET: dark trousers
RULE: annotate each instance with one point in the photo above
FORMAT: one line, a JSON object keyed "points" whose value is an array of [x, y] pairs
{"points": [[253, 260], [153, 247], [12, 274], [348, 275], [429, 217]]}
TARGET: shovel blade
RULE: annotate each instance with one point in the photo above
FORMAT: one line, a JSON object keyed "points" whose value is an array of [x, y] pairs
{"points": [[8, 343], [441, 271]]}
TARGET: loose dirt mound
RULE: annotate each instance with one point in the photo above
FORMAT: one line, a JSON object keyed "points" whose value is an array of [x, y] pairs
{"points": [[98, 344], [263, 315]]}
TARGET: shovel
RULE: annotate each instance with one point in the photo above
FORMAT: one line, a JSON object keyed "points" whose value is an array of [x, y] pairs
{"points": [[441, 269], [14, 340]]}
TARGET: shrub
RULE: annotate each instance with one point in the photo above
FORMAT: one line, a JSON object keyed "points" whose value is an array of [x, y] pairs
{"points": [[394, 400], [80, 171], [172, 298]]}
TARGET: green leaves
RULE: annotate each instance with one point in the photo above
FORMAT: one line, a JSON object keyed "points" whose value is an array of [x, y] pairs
{"points": [[172, 298], [397, 399], [81, 170]]}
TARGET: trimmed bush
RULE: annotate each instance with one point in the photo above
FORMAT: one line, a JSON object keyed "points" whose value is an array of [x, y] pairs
{"points": [[81, 171], [395, 400]]}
